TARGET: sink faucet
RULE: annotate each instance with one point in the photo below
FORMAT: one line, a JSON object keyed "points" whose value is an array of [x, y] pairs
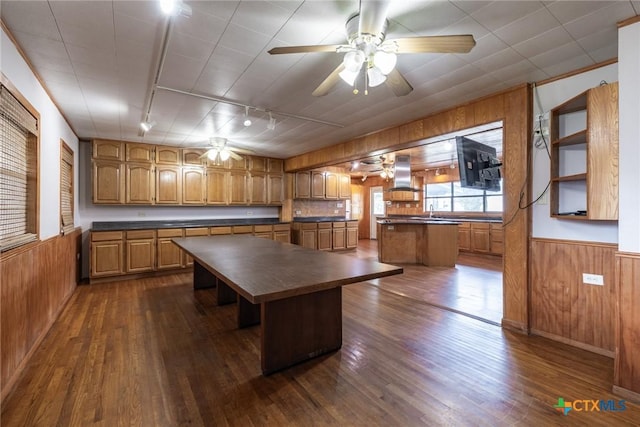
{"points": [[431, 210]]}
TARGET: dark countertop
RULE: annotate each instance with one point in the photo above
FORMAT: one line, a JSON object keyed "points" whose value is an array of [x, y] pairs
{"points": [[321, 219], [416, 220], [143, 225], [445, 218]]}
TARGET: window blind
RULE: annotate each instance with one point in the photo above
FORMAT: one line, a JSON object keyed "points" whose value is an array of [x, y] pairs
{"points": [[18, 175], [66, 189]]}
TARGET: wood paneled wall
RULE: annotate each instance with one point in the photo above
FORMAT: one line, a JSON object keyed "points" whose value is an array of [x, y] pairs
{"points": [[627, 365], [513, 107], [36, 284], [562, 306]]}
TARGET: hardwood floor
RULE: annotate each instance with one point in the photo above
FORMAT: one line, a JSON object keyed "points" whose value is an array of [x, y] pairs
{"points": [[472, 288], [154, 352]]}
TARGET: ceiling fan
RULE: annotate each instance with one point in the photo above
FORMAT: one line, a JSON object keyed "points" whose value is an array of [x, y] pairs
{"points": [[220, 150], [371, 59]]}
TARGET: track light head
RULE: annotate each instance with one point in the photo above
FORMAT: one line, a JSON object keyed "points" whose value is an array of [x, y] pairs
{"points": [[146, 125]]}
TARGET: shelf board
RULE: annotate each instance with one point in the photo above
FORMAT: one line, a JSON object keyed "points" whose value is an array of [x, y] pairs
{"points": [[574, 217], [574, 104], [576, 177], [573, 139]]}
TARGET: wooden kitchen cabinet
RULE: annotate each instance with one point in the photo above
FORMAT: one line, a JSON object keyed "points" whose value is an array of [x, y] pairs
{"points": [[264, 231], [139, 183], [169, 255], [480, 237], [344, 187], [192, 232], [305, 234], [165, 155], [282, 233], [168, 185], [104, 149], [192, 156], [317, 185], [331, 185], [140, 251], [464, 236], [238, 187], [325, 236], [339, 236], [303, 185], [107, 253], [217, 187], [258, 185], [108, 182], [352, 234], [139, 153], [275, 189], [193, 186], [497, 239]]}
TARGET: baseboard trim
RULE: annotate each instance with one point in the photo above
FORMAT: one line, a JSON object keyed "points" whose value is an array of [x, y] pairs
{"points": [[627, 394], [578, 344]]}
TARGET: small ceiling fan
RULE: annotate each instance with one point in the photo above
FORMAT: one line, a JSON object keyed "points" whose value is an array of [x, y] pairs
{"points": [[370, 58], [220, 150]]}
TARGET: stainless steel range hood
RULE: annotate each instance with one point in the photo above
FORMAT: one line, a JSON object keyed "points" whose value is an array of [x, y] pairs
{"points": [[402, 174]]}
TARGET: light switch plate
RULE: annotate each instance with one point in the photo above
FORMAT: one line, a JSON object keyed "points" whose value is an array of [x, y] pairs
{"points": [[592, 279]]}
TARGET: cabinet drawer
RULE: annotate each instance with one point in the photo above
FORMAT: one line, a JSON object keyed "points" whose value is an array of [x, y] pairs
{"points": [[202, 231], [323, 225], [141, 234], [170, 232], [281, 227], [480, 225], [262, 228], [340, 224], [308, 225], [101, 236], [216, 231], [352, 224], [242, 229], [464, 226]]}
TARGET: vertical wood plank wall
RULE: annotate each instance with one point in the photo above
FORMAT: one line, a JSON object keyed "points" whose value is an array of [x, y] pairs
{"points": [[36, 284], [513, 107], [562, 306], [627, 365]]}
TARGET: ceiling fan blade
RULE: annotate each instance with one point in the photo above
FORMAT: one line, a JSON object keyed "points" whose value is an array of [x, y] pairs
{"points": [[373, 16], [436, 44], [305, 49], [398, 84], [329, 82], [234, 155]]}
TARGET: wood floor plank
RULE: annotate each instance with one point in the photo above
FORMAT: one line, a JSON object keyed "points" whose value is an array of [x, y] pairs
{"points": [[154, 352]]}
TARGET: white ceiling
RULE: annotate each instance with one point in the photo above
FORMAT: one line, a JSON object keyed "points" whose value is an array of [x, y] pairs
{"points": [[98, 59]]}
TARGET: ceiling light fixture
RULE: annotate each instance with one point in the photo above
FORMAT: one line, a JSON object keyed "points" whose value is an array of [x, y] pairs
{"points": [[247, 120], [147, 125], [437, 172], [387, 173], [224, 155], [175, 8], [272, 122]]}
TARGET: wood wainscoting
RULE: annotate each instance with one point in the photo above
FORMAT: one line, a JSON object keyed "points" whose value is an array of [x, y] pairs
{"points": [[626, 378], [36, 284], [562, 306]]}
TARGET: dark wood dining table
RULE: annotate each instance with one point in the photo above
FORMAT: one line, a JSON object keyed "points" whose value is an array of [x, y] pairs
{"points": [[294, 293]]}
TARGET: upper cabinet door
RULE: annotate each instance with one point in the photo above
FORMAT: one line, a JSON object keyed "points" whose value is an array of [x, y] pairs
{"points": [[193, 156], [168, 185], [108, 150], [140, 184], [331, 185], [139, 153], [108, 182], [317, 185], [344, 189], [168, 155], [303, 185]]}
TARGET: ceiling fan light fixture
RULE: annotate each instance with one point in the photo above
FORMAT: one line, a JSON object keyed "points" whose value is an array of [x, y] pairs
{"points": [[353, 60], [375, 77], [224, 155], [385, 61], [212, 154], [349, 76]]}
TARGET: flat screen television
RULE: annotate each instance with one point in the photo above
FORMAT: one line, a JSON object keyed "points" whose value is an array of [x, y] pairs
{"points": [[478, 164]]}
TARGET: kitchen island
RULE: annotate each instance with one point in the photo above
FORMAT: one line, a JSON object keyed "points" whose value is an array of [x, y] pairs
{"points": [[423, 241]]}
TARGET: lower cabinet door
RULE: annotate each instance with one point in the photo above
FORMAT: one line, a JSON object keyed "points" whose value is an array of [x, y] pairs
{"points": [[169, 255], [106, 258], [140, 255]]}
